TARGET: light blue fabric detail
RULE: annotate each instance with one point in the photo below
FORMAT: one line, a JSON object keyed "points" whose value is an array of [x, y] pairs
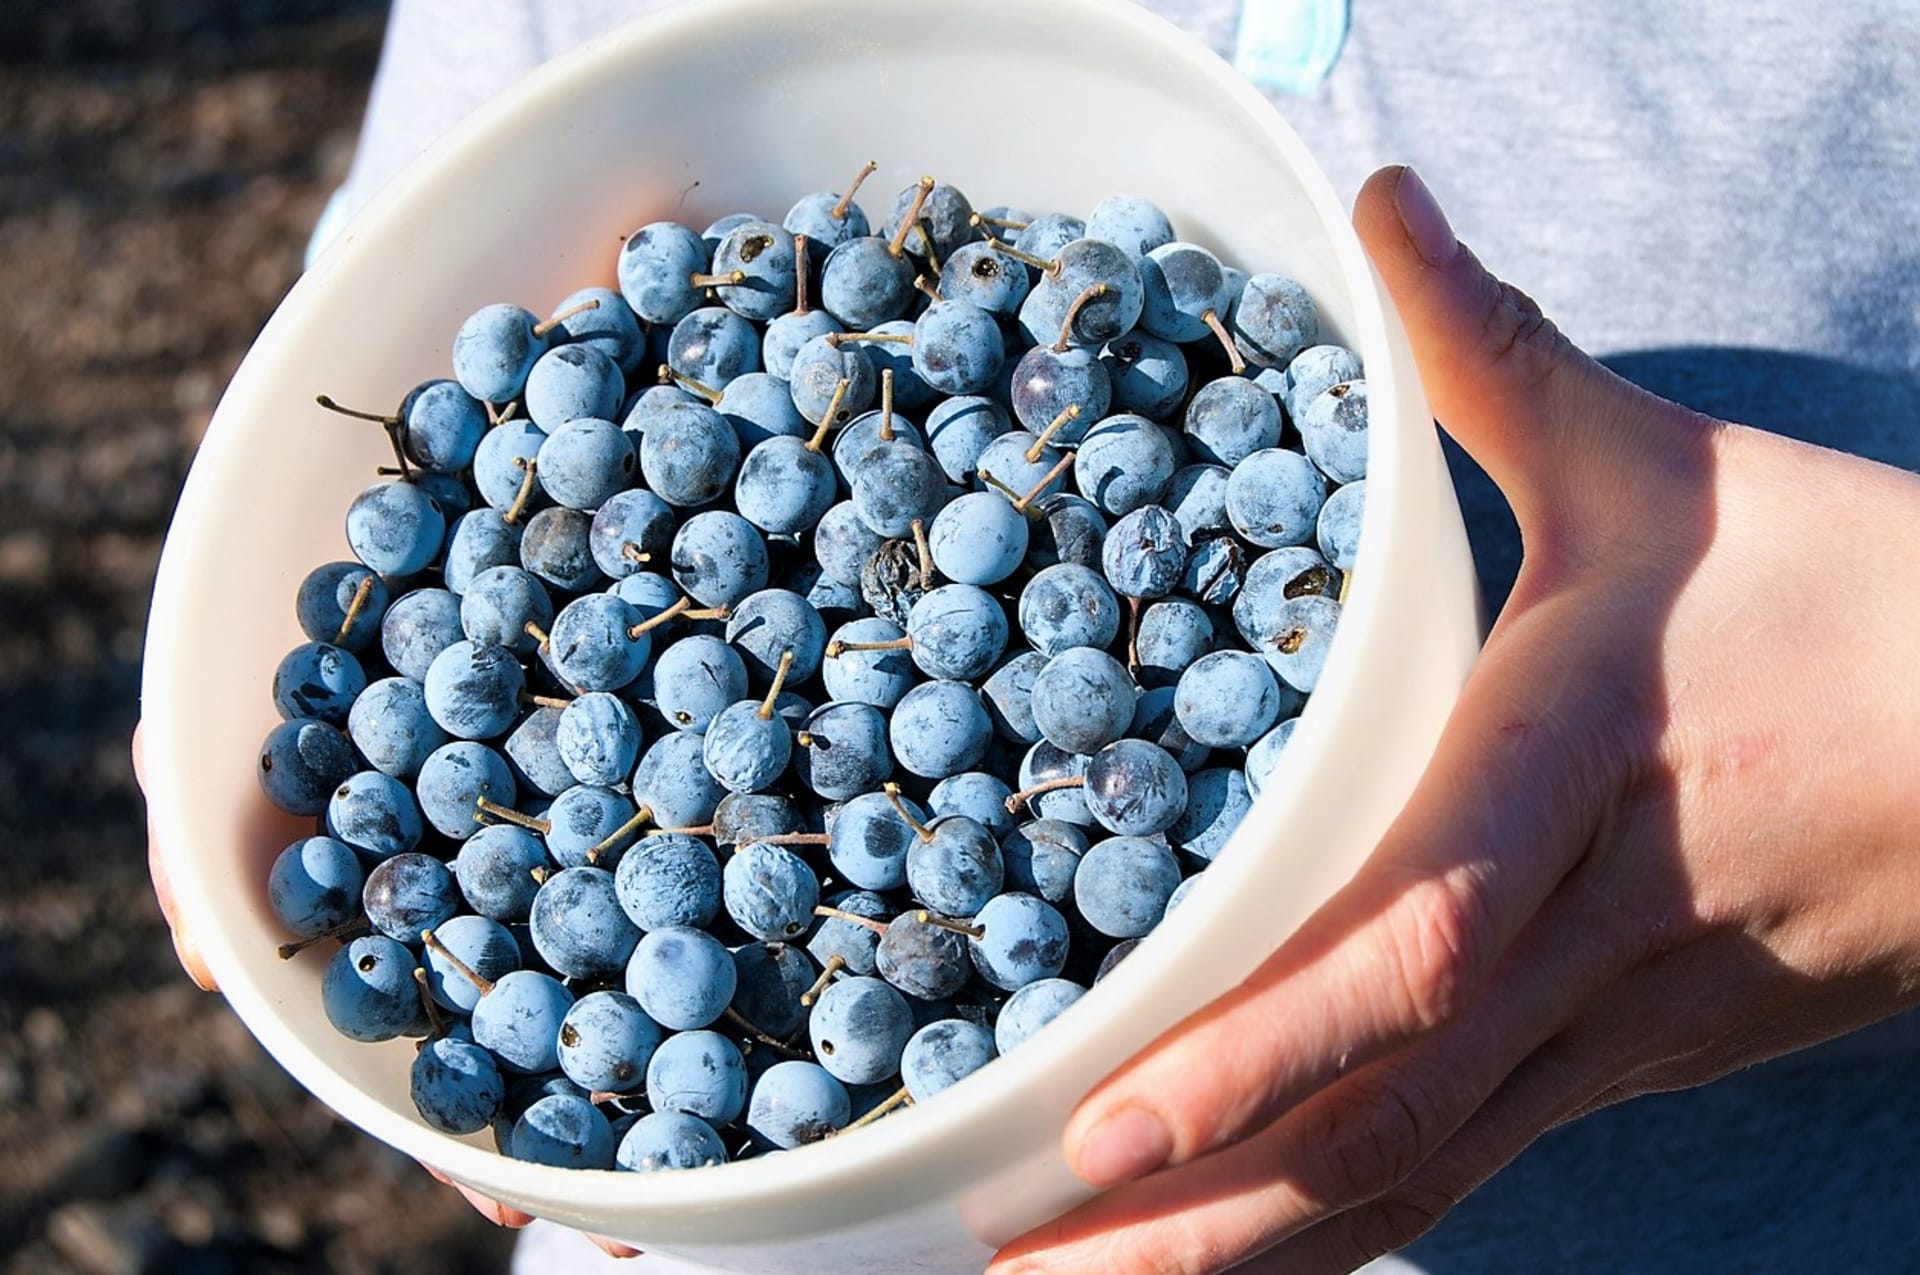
{"points": [[1289, 46]]}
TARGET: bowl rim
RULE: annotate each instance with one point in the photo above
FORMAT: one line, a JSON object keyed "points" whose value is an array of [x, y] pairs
{"points": [[888, 1146]]}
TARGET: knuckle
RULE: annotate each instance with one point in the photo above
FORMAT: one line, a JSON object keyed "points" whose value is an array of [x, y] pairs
{"points": [[1395, 1220], [1515, 334], [1194, 1253], [1436, 946], [1177, 1243], [1155, 1256], [1371, 1136]]}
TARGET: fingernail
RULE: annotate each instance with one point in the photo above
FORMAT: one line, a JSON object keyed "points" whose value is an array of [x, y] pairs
{"points": [[1128, 1144], [1425, 224]]}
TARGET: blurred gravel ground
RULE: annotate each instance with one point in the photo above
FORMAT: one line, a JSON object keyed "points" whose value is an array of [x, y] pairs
{"points": [[161, 163]]}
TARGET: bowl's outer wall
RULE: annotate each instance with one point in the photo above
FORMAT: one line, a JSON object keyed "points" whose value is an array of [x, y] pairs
{"points": [[745, 104]]}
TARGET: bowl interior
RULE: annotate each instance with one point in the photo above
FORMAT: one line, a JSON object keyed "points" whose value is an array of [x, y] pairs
{"points": [[724, 106]]}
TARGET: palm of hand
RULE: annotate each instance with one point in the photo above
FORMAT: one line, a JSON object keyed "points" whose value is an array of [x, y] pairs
{"points": [[1665, 834]]}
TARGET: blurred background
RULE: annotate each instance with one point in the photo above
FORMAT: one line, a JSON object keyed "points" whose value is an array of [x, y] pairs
{"points": [[161, 165]]}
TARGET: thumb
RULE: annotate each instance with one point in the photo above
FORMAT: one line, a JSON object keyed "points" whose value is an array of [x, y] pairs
{"points": [[1548, 423]]}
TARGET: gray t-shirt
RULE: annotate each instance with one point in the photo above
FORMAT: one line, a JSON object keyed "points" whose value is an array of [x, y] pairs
{"points": [[1722, 201]]}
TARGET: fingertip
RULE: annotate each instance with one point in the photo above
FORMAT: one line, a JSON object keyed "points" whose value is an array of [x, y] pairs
{"points": [[1379, 226], [1426, 226], [192, 962], [1376, 198], [1402, 224], [1027, 1255], [491, 1209], [613, 1248], [1485, 353], [1118, 1146]]}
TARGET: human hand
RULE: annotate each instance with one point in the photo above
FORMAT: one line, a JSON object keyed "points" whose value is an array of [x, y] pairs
{"points": [[1668, 830], [196, 968], [183, 944]]}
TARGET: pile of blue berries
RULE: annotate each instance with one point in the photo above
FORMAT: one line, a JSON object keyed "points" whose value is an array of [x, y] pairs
{"points": [[769, 690]]}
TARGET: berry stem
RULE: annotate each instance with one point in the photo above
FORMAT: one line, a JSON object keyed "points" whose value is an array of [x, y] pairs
{"points": [[600, 1097], [1000, 223], [779, 680], [354, 605], [886, 405], [392, 425], [543, 701], [835, 964], [507, 814], [431, 941], [799, 274], [1048, 268], [634, 553], [771, 1042], [1234, 360], [838, 648], [506, 413], [919, 526], [657, 619], [539, 874], [995, 483], [1071, 412], [327, 402], [670, 377], [541, 329], [350, 930], [1088, 294], [731, 277], [956, 927], [1026, 795], [435, 1026], [793, 838], [925, 285], [695, 830], [878, 927], [819, 438], [399, 451], [839, 211], [1346, 583], [838, 339], [535, 632], [920, 830], [1133, 637], [1059, 467], [912, 218], [527, 465], [900, 1097], [606, 843]]}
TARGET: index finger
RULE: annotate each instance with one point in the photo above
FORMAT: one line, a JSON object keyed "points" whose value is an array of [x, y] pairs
{"points": [[1498, 819]]}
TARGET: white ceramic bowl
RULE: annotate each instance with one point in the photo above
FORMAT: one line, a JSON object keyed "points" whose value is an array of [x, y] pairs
{"points": [[746, 104]]}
